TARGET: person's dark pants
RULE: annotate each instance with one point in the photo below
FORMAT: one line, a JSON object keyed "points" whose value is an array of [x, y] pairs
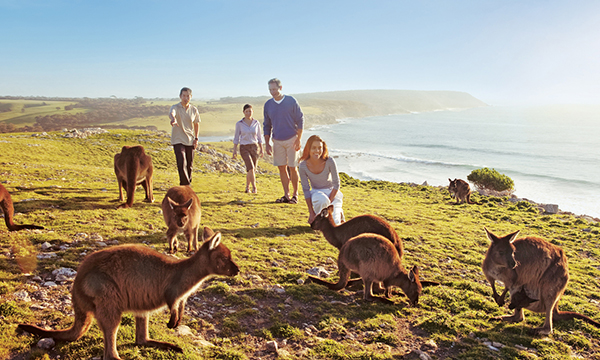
{"points": [[185, 159]]}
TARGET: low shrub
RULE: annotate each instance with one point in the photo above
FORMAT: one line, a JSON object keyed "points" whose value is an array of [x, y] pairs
{"points": [[490, 179]]}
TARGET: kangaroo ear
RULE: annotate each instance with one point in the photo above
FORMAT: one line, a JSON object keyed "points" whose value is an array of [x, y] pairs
{"points": [[490, 236], [214, 241], [188, 203], [207, 233], [324, 213], [513, 236], [413, 275], [171, 202]]}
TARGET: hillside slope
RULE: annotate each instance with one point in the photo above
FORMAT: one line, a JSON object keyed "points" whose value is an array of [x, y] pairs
{"points": [[68, 186]]}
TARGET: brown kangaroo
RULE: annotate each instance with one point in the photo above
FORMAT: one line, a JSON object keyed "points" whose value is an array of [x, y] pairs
{"points": [[6, 205], [133, 167], [338, 235], [460, 190], [534, 266], [376, 259], [181, 210], [135, 278]]}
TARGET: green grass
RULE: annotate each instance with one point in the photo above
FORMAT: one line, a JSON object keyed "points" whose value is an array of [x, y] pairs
{"points": [[68, 186]]}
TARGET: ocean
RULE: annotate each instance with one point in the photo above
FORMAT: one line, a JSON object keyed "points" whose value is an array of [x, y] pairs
{"points": [[551, 152]]}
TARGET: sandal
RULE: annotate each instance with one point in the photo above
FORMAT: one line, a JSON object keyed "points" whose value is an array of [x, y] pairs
{"points": [[294, 200], [282, 199]]}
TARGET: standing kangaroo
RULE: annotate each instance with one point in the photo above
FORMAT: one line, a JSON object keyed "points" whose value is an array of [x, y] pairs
{"points": [[376, 259], [533, 266], [181, 210], [133, 167], [6, 205], [460, 190], [135, 278]]}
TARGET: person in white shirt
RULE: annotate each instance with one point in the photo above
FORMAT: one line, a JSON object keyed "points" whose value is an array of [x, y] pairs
{"points": [[248, 137], [185, 124]]}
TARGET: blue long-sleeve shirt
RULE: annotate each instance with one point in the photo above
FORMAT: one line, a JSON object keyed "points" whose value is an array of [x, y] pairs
{"points": [[282, 119]]}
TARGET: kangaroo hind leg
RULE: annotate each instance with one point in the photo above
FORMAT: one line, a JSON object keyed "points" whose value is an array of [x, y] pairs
{"points": [[142, 337]]}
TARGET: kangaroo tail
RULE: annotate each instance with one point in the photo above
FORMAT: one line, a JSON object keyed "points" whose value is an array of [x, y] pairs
{"points": [[8, 210], [14, 227], [80, 326], [568, 315], [471, 201]]}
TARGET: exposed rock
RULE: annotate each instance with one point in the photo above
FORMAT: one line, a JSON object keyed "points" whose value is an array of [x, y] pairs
{"points": [[319, 271], [65, 272], [550, 208], [46, 343], [22, 295], [183, 330], [46, 246], [272, 346], [43, 256]]}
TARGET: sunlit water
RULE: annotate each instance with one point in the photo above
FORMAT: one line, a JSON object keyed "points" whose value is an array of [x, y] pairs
{"points": [[552, 153]]}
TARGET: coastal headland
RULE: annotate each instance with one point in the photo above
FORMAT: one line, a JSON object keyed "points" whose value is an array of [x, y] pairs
{"points": [[218, 116]]}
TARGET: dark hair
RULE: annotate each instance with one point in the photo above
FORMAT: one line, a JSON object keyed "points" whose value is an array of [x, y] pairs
{"points": [[185, 89], [309, 142], [275, 81], [247, 106]]}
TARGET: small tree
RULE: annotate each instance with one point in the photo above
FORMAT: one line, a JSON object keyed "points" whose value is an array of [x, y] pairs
{"points": [[490, 179]]}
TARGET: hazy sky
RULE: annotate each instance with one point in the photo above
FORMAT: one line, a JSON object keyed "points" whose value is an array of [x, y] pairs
{"points": [[501, 52]]}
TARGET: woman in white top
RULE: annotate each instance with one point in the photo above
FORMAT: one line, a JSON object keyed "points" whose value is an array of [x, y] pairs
{"points": [[248, 136], [319, 171]]}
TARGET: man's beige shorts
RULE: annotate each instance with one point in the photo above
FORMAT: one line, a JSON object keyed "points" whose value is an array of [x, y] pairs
{"points": [[284, 153]]}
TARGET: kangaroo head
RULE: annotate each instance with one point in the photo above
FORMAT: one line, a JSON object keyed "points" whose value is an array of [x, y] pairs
{"points": [[452, 185], [325, 216], [502, 250], [413, 291], [219, 255], [180, 211]]}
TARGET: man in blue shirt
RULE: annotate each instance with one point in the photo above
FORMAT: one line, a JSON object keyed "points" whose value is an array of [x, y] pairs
{"points": [[284, 120]]}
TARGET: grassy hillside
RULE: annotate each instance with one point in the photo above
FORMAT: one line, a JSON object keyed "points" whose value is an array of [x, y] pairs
{"points": [[68, 186], [219, 117]]}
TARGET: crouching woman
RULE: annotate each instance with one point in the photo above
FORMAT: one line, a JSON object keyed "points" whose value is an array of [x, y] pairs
{"points": [[320, 180]]}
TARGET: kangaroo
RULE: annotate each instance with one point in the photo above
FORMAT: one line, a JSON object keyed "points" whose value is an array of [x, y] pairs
{"points": [[460, 190], [338, 235], [181, 210], [6, 205], [133, 167], [534, 266], [137, 279], [376, 259]]}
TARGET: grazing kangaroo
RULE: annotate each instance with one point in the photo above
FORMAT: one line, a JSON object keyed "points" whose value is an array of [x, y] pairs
{"points": [[376, 259], [6, 205], [135, 278], [338, 235], [181, 210], [133, 167], [460, 190], [534, 266]]}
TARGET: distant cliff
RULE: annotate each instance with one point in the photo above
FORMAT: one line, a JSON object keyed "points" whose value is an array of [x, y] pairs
{"points": [[361, 103], [327, 107]]}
